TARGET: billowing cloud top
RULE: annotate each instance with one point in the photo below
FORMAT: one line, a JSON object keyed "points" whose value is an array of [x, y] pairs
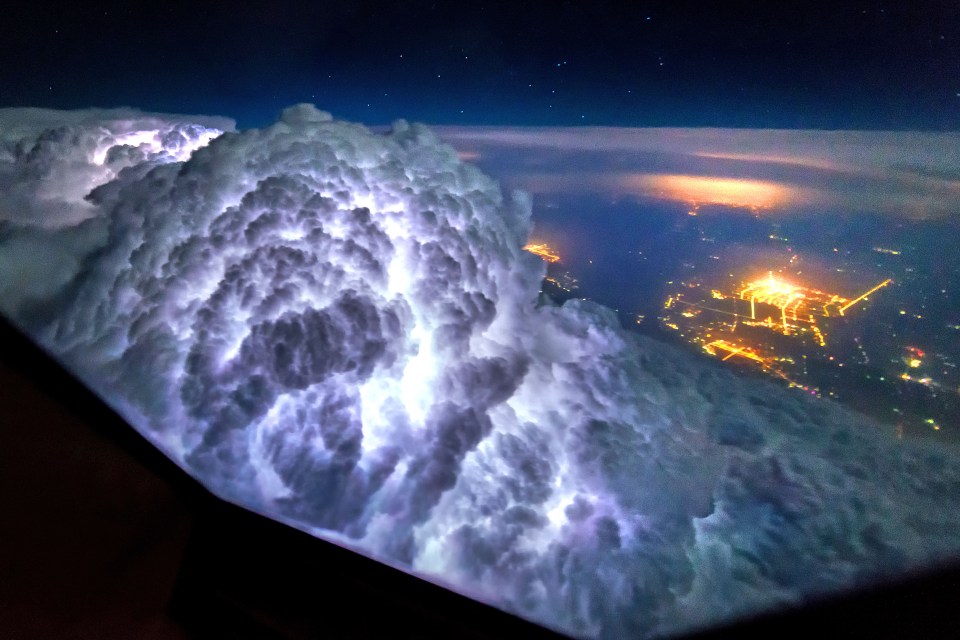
{"points": [[340, 329], [50, 161]]}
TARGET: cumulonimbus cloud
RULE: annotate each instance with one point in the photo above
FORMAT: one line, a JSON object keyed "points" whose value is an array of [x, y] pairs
{"points": [[49, 162], [339, 329]]}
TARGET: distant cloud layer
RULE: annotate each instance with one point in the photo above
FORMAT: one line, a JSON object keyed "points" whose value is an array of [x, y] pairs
{"points": [[911, 174], [340, 329]]}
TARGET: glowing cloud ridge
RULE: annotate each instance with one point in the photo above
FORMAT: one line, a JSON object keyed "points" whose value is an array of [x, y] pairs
{"points": [[341, 330]]}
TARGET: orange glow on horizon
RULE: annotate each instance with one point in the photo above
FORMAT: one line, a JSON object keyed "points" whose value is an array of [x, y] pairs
{"points": [[698, 190]]}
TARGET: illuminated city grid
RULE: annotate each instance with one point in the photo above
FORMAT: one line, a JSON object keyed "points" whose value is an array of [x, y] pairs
{"points": [[741, 324], [796, 303], [790, 308]]}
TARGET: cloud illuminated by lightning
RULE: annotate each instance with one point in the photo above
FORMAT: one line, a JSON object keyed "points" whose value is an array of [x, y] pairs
{"points": [[341, 330]]}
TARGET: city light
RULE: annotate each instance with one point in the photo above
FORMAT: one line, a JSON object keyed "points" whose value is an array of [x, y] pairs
{"points": [[732, 350], [798, 304], [741, 323], [543, 250], [863, 296]]}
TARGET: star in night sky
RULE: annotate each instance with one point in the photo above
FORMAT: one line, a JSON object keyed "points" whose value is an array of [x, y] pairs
{"points": [[868, 65]]}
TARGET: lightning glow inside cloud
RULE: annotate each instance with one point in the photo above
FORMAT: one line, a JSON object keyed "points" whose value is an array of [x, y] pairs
{"points": [[339, 329]]}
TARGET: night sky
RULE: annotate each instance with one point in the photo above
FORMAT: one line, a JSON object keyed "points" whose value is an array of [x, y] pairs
{"points": [[859, 65]]}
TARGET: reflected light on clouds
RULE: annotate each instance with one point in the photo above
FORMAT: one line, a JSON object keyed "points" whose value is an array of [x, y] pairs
{"points": [[468, 156], [697, 190], [908, 174], [799, 160]]}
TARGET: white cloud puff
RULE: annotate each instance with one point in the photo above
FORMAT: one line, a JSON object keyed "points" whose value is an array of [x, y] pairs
{"points": [[49, 162], [340, 329]]}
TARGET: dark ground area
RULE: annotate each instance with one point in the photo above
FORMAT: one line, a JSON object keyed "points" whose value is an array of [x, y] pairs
{"points": [[103, 537], [92, 536]]}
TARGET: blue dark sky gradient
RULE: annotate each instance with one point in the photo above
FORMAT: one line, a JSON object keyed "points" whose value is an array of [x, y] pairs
{"points": [[863, 64]]}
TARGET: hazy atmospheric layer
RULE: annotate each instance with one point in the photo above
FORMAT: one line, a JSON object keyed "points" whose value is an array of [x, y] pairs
{"points": [[910, 174], [340, 329]]}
